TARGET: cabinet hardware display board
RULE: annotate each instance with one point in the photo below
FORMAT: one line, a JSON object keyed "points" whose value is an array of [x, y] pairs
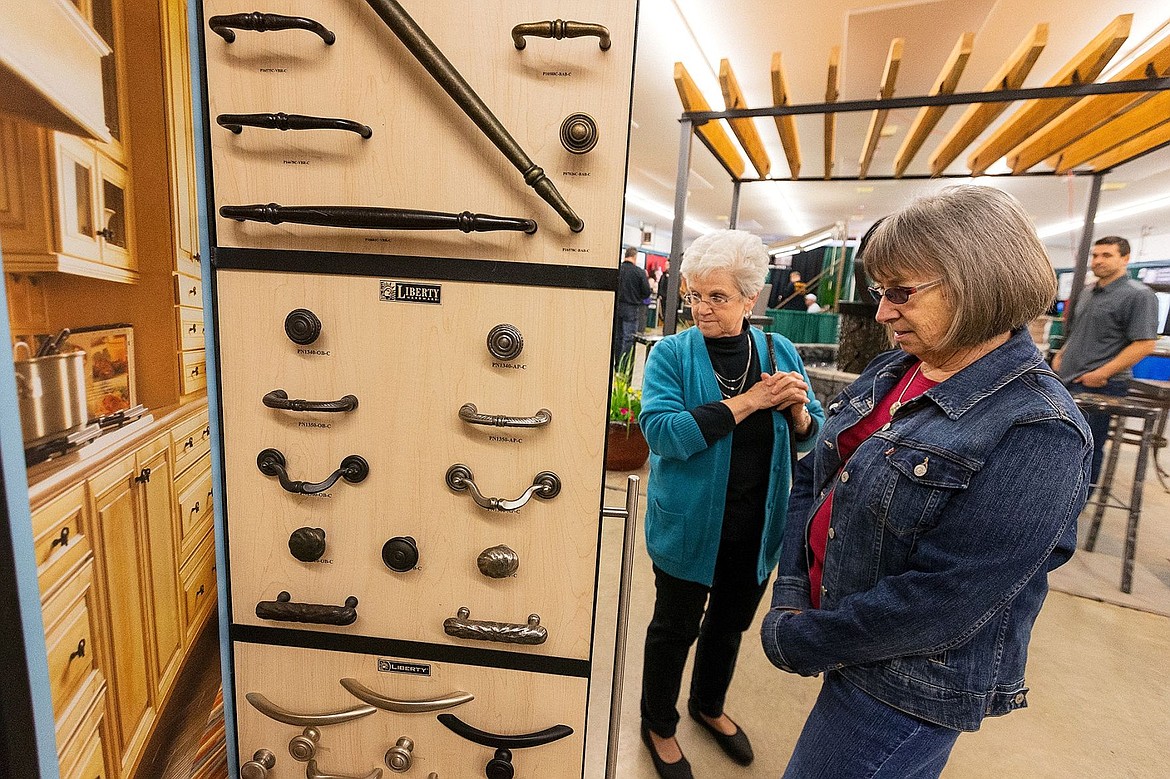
{"points": [[415, 217]]}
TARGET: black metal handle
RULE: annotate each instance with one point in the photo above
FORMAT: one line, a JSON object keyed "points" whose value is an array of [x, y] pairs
{"points": [[188, 444], [261, 22], [374, 218], [278, 399], [143, 476], [284, 610], [560, 29], [282, 121], [503, 741], [105, 233], [193, 329], [200, 591], [271, 462], [196, 508], [61, 540], [80, 652]]}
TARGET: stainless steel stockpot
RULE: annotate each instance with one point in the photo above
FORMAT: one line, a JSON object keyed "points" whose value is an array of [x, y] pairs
{"points": [[51, 391]]}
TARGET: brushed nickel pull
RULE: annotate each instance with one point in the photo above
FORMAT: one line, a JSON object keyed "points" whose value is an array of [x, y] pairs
{"points": [[353, 469], [311, 772], [283, 610], [546, 485], [366, 695], [284, 122], [400, 757], [560, 29], [258, 767], [280, 714], [470, 414], [461, 626], [303, 748], [278, 399], [260, 22]]}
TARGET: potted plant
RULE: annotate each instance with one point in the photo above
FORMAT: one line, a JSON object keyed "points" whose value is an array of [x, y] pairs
{"points": [[626, 448]]}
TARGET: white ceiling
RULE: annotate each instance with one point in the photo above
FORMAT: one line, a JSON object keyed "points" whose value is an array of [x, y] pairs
{"points": [[700, 33]]}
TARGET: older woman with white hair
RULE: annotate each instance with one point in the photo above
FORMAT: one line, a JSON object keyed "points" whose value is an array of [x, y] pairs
{"points": [[722, 405]]}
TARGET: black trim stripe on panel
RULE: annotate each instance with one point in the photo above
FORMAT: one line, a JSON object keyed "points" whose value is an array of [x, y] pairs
{"points": [[431, 268], [411, 650]]}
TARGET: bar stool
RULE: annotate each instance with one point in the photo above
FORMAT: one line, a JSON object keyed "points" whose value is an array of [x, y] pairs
{"points": [[1122, 409], [1159, 391]]}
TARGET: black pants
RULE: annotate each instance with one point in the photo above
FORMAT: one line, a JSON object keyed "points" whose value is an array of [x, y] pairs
{"points": [[1099, 422], [679, 619]]}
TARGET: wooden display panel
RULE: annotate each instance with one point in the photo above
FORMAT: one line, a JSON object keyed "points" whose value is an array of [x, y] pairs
{"points": [[424, 152], [510, 702], [412, 366]]}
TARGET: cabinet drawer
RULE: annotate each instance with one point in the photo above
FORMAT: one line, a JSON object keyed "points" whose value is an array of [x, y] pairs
{"points": [[190, 328], [195, 506], [191, 440], [188, 290], [59, 539], [69, 640], [199, 584], [80, 751], [194, 370], [92, 764]]}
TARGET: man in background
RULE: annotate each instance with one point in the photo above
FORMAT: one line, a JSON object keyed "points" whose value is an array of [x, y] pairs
{"points": [[633, 290], [1115, 325]]}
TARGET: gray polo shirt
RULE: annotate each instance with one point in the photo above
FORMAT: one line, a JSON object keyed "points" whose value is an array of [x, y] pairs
{"points": [[1107, 320]]}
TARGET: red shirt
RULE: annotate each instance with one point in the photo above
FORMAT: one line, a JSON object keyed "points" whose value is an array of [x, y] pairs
{"points": [[908, 387]]}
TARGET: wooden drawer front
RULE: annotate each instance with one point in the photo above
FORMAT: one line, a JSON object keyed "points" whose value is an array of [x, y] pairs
{"points": [[69, 640], [191, 440], [194, 370], [188, 290], [78, 747], [195, 506], [409, 431], [199, 584], [190, 328], [92, 764], [59, 540]]}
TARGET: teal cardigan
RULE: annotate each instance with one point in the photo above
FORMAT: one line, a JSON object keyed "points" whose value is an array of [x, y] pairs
{"points": [[687, 490]]}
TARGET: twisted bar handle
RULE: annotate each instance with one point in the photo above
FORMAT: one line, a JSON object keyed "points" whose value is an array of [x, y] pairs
{"points": [[261, 22], [560, 29], [462, 626], [284, 610], [501, 740], [372, 218], [282, 121], [470, 414], [278, 399], [546, 485], [353, 469]]}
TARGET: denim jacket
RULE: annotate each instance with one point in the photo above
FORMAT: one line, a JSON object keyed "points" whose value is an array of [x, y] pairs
{"points": [[944, 526]]}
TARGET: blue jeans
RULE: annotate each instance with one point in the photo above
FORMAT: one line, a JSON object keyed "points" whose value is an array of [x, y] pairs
{"points": [[629, 319], [1099, 420], [850, 735]]}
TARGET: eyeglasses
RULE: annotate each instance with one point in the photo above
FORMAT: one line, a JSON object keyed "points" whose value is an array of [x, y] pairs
{"points": [[899, 295], [718, 300]]}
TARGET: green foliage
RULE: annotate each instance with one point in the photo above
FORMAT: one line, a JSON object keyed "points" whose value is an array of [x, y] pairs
{"points": [[625, 400]]}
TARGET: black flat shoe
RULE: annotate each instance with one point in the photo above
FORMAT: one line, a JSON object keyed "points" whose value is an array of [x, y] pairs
{"points": [[737, 746], [679, 770]]}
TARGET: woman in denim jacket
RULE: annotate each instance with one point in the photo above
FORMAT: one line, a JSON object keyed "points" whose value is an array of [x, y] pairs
{"points": [[944, 487]]}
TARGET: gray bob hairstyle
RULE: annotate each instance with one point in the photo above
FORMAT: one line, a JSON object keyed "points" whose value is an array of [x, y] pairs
{"points": [[739, 253], [981, 242]]}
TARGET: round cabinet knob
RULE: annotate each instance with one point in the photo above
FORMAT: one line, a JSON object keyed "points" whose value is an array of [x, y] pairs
{"points": [[400, 757], [579, 133], [500, 766], [307, 544], [400, 554], [505, 342], [302, 326], [303, 748], [498, 562], [258, 767]]}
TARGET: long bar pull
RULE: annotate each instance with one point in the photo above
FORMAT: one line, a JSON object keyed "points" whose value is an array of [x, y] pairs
{"points": [[261, 22], [502, 740], [271, 462], [278, 399], [443, 72], [284, 122], [470, 414], [546, 485], [284, 610], [376, 218], [280, 714], [559, 29], [312, 772], [630, 514], [366, 695], [462, 626]]}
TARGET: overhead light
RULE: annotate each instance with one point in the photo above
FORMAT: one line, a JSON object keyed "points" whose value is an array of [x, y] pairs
{"points": [[639, 200], [814, 240], [1112, 186], [864, 190], [1108, 215]]}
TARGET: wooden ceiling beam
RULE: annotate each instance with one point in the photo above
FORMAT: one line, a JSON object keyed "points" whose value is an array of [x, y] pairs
{"points": [[785, 125], [744, 129], [832, 92], [877, 120], [1093, 111], [1123, 127], [1034, 114], [711, 134], [1132, 148], [928, 116], [978, 116]]}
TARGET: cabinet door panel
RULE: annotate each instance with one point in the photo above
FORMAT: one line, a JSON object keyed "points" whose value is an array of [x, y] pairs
{"points": [[161, 532]]}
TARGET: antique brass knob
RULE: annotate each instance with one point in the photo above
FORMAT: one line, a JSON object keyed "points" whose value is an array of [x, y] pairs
{"points": [[303, 748], [579, 133]]}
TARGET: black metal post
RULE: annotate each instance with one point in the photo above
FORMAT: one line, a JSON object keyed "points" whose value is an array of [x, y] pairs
{"points": [[1082, 258], [686, 140], [733, 214]]}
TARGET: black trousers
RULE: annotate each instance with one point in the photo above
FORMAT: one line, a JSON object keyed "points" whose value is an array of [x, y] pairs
{"points": [[679, 619]]}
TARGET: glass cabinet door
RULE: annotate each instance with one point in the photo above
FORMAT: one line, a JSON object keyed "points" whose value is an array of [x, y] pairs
{"points": [[114, 215], [77, 197]]}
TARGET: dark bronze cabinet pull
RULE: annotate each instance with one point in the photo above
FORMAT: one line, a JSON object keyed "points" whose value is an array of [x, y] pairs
{"points": [[282, 121], [284, 610], [445, 74], [462, 626], [143, 476], [501, 740], [374, 218], [560, 29], [61, 540], [79, 652], [261, 22], [278, 399], [470, 414], [271, 462], [546, 485]]}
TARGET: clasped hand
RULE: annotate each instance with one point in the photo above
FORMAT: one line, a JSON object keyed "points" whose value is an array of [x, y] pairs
{"points": [[781, 391]]}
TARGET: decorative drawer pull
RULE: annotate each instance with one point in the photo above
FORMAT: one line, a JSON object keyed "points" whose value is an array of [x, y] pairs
{"points": [[400, 554], [311, 772], [272, 711], [373, 218], [546, 485], [307, 544], [505, 342], [559, 29], [261, 22], [303, 748], [579, 133], [400, 757], [461, 626], [201, 591], [143, 476], [470, 414], [278, 399], [503, 741], [258, 767], [302, 326], [79, 652], [61, 540], [447, 77], [195, 509], [498, 562], [353, 469], [366, 695], [188, 444], [284, 610], [206, 432], [282, 121], [192, 329]]}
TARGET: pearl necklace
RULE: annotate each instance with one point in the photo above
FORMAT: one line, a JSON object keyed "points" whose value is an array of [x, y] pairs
{"points": [[897, 404], [731, 387]]}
